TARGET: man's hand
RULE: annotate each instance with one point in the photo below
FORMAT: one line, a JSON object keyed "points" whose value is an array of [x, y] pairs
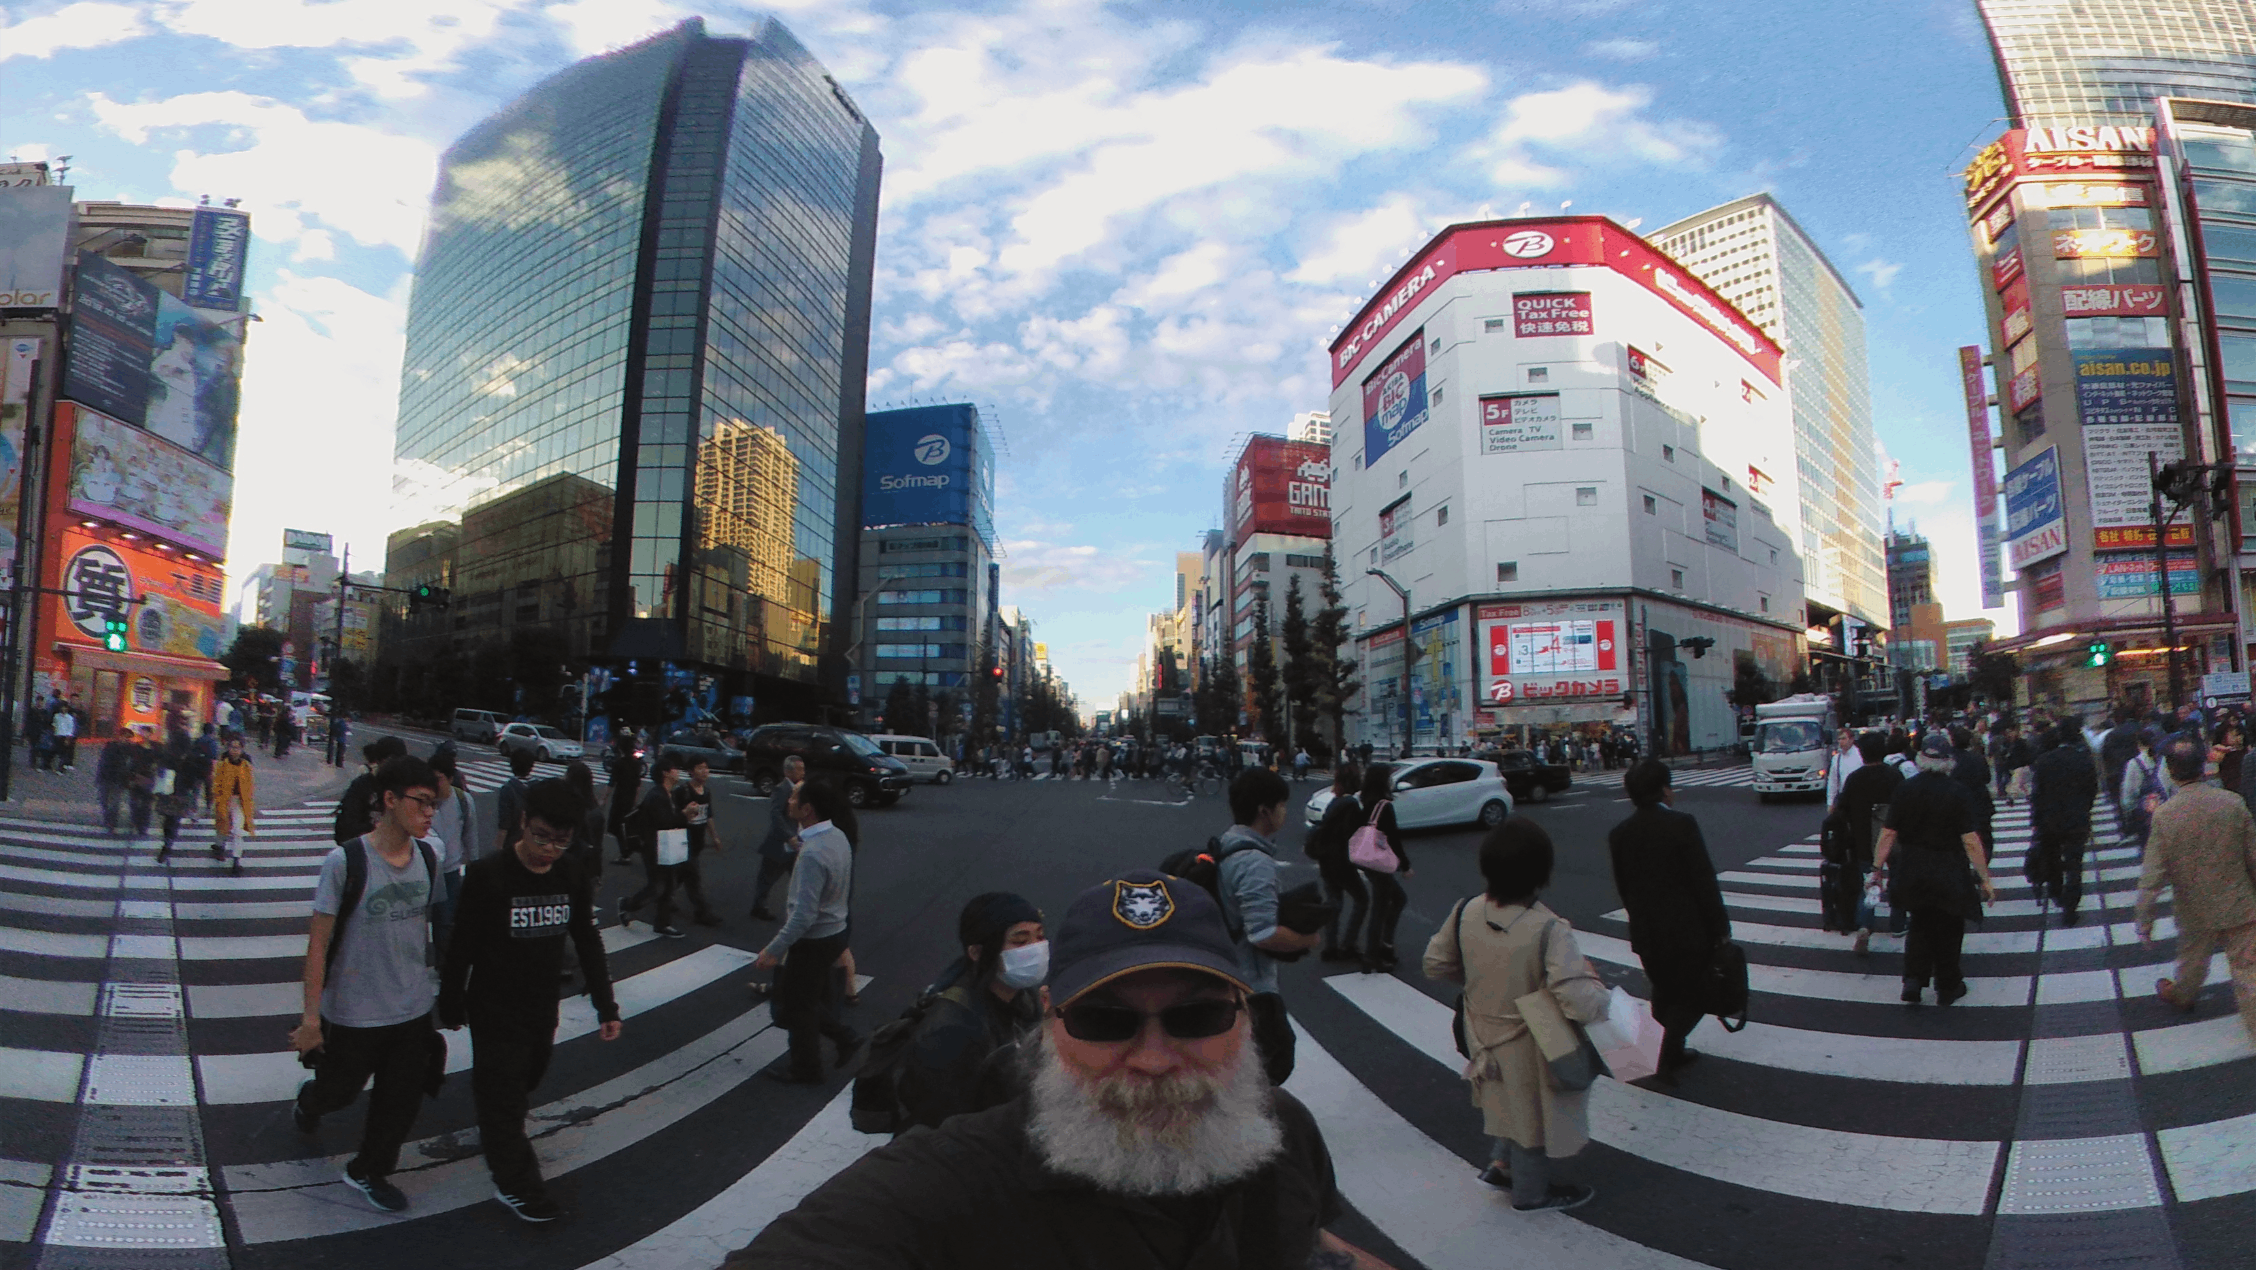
{"points": [[305, 1038], [766, 961], [609, 1031]]}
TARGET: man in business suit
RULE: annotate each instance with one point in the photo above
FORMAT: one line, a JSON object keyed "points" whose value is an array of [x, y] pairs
{"points": [[1676, 916], [776, 849], [2060, 808]]}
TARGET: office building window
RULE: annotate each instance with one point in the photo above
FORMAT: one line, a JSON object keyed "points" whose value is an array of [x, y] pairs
{"points": [[1441, 514], [1492, 325], [1508, 571], [922, 597], [1651, 507], [1586, 496], [1676, 578], [1582, 432], [1668, 454], [1539, 374]]}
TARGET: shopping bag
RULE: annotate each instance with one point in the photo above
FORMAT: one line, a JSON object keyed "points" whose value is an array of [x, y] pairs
{"points": [[164, 782], [673, 846], [1572, 1060], [1631, 1048], [1875, 907], [1368, 848]]}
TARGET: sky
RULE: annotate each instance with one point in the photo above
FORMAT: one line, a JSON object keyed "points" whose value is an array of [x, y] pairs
{"points": [[1126, 231]]}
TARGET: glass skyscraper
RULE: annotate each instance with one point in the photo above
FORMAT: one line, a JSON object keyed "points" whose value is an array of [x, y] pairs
{"points": [[2066, 62], [630, 411], [1757, 257]]}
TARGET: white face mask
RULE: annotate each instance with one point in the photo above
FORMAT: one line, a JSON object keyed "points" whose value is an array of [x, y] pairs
{"points": [[1024, 967]]}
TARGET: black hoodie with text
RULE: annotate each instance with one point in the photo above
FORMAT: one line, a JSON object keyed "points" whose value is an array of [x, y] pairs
{"points": [[508, 942]]}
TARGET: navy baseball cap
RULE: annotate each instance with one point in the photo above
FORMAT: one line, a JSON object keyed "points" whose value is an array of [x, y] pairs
{"points": [[1141, 920], [1936, 744]]}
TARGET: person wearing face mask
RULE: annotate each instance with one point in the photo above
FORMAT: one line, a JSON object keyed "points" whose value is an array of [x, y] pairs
{"points": [[982, 1004]]}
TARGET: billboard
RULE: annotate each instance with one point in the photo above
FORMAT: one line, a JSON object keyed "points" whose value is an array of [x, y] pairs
{"points": [[2075, 150], [18, 355], [139, 355], [2133, 537], [2085, 244], [2134, 577], [2100, 194], [2036, 521], [1985, 475], [2129, 401], [1520, 422], [2127, 385], [307, 540], [1281, 487], [1520, 244], [1552, 650], [1394, 398], [170, 605], [34, 235], [928, 465], [1540, 313], [2015, 298], [2129, 300], [1720, 516], [219, 241], [129, 477], [1395, 537]]}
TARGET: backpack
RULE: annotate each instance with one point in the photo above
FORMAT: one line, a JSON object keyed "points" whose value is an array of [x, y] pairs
{"points": [[876, 1105], [1202, 866], [356, 883]]}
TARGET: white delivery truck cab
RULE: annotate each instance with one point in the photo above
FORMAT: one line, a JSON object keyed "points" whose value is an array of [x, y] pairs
{"points": [[1793, 745]]}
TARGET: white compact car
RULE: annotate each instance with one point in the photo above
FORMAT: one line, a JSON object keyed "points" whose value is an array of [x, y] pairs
{"points": [[543, 742], [923, 759], [1433, 792]]}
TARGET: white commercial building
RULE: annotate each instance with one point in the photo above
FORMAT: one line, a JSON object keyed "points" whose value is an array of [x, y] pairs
{"points": [[1566, 449]]}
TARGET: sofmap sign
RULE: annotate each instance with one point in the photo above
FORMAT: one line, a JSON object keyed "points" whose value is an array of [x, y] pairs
{"points": [[1394, 398], [2036, 521], [1516, 244], [926, 466], [219, 241]]}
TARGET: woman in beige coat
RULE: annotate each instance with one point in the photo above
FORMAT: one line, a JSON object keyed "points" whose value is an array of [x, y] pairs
{"points": [[1494, 944]]}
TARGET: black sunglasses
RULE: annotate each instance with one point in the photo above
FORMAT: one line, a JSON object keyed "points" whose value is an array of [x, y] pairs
{"points": [[1190, 1021]]}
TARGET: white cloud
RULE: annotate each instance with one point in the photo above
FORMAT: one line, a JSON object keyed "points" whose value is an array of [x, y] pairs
{"points": [[1034, 567], [1591, 123], [294, 173], [1623, 50], [1359, 245], [1882, 272], [1925, 492], [398, 44], [74, 26]]}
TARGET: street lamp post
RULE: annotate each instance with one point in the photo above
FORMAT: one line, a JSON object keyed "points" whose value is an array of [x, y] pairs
{"points": [[1409, 660], [861, 626]]}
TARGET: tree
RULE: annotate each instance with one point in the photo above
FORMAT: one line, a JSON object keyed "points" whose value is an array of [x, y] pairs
{"points": [[256, 654], [1328, 634], [920, 711], [1749, 686], [1994, 674], [1300, 670], [948, 707], [1264, 692], [899, 705], [1214, 703]]}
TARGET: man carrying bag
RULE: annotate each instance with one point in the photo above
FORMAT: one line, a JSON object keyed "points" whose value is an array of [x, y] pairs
{"points": [[1676, 916]]}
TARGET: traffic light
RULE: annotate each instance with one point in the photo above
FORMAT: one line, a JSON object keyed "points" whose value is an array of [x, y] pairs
{"points": [[1699, 644], [996, 671], [113, 634], [426, 594], [2097, 653]]}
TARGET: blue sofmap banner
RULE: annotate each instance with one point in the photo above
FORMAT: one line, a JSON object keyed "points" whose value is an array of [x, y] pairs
{"points": [[928, 465]]}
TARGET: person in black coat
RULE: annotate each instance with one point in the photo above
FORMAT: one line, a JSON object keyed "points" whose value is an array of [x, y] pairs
{"points": [[2116, 752], [1865, 790], [1327, 846], [1676, 917], [1387, 896], [1936, 872], [2060, 805], [1972, 772]]}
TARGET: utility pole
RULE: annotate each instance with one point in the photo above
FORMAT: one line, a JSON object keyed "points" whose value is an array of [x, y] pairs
{"points": [[2155, 483], [337, 641], [1409, 662]]}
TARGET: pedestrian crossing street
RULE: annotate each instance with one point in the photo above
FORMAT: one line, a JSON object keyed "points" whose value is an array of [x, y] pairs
{"points": [[1835, 1101]]}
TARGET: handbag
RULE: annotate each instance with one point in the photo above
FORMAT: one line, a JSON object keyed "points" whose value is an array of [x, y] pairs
{"points": [[1571, 1059], [1726, 989], [673, 847], [164, 782], [1368, 848]]}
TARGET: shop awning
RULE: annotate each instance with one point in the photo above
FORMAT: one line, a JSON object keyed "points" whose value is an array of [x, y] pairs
{"points": [[142, 663]]}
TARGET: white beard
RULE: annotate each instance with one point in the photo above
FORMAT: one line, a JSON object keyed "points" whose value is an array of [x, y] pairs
{"points": [[1179, 1135]]}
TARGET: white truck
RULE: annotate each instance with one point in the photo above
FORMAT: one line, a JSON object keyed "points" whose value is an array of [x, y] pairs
{"points": [[1793, 745]]}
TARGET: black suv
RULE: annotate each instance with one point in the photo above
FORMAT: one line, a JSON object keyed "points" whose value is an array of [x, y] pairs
{"points": [[872, 777]]}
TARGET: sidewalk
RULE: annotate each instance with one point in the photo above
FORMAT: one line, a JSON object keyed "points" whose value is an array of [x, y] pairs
{"points": [[68, 797]]}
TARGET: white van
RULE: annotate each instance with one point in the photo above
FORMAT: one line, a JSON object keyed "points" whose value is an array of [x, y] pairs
{"points": [[923, 759]]}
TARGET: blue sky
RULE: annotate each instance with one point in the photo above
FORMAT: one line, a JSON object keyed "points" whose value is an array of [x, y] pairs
{"points": [[1125, 230]]}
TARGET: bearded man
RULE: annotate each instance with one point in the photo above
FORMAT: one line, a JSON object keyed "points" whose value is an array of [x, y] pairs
{"points": [[1148, 1135]]}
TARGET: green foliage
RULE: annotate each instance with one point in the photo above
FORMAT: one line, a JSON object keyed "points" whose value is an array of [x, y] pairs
{"points": [[256, 652], [1264, 691], [1331, 673]]}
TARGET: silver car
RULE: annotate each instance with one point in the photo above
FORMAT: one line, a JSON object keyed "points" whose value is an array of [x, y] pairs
{"points": [[543, 742]]}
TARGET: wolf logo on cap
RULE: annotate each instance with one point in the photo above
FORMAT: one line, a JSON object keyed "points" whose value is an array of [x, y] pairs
{"points": [[1142, 905]]}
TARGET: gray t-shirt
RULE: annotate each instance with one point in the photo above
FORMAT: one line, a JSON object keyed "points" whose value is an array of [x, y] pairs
{"points": [[383, 975]]}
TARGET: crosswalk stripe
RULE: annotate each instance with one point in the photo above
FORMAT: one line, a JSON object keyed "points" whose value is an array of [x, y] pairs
{"points": [[2212, 1160], [305, 1199], [1426, 1199], [2183, 1047], [41, 1075], [153, 882], [1921, 1175], [1833, 985]]}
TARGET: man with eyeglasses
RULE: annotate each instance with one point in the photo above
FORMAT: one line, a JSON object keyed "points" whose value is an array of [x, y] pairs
{"points": [[369, 984], [515, 909], [1148, 1134]]}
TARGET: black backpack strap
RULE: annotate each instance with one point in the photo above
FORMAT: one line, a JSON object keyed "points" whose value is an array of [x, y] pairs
{"points": [[356, 883]]}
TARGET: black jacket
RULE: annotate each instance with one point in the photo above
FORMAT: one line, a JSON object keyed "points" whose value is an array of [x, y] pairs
{"points": [[508, 943], [974, 1194], [2115, 753], [967, 1025], [1862, 790], [2060, 800], [1341, 819], [1668, 884], [356, 811]]}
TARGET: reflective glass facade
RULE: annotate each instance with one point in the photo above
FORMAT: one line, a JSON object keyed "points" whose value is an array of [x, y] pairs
{"points": [[2107, 61], [1758, 258], [635, 357]]}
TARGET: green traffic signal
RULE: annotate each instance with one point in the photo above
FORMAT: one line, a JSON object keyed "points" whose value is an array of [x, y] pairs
{"points": [[2098, 654], [113, 634]]}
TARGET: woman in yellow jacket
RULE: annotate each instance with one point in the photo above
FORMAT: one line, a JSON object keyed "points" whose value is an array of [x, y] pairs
{"points": [[232, 779]]}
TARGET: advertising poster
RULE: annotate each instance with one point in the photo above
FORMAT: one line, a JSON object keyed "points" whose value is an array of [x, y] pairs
{"points": [[2132, 576], [1529, 421], [219, 241], [1435, 710], [138, 355], [2050, 586], [177, 614], [34, 235], [1394, 398], [2121, 244], [1985, 474], [1282, 487], [2130, 385], [927, 465], [1721, 518], [1552, 650], [129, 477], [2036, 521], [2016, 301], [2006, 267], [2129, 402], [2023, 389], [2082, 194], [18, 356], [1550, 313], [2128, 300], [1395, 538], [2133, 537]]}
